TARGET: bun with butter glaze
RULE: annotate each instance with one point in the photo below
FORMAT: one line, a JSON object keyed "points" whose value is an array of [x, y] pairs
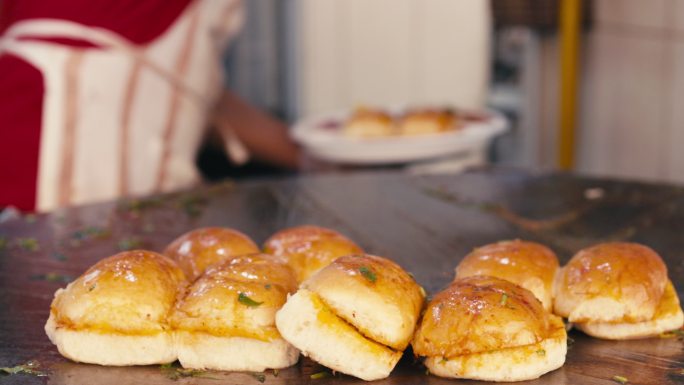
{"points": [[116, 312], [198, 249], [227, 319], [528, 264], [618, 291], [355, 316], [308, 249], [486, 328]]}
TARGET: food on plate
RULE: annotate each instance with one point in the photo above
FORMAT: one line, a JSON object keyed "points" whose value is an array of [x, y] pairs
{"points": [[227, 319], [116, 312], [196, 250], [486, 328], [308, 249], [528, 264], [369, 123], [618, 291], [427, 121], [355, 316]]}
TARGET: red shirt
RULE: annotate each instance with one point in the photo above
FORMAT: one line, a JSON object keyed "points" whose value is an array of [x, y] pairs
{"points": [[140, 21]]}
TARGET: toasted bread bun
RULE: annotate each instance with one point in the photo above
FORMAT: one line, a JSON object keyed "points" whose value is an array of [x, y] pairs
{"points": [[528, 264], [490, 329], [369, 123], [196, 250], [668, 316], [308, 249], [366, 307], [611, 282], [310, 325], [427, 121], [116, 312], [373, 294], [231, 308]]}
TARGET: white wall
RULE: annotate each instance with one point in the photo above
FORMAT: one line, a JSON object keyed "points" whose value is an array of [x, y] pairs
{"points": [[389, 52]]}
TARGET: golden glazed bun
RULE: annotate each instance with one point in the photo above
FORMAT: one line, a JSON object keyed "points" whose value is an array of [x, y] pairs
{"points": [[617, 291], [116, 312], [354, 316], [227, 319], [196, 250], [307, 249], [427, 121], [369, 123], [528, 264], [489, 329]]}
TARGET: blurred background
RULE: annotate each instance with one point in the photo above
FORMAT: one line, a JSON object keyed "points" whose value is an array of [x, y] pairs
{"points": [[300, 57], [586, 86]]}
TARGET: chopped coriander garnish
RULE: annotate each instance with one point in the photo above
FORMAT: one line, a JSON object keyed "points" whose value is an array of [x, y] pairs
{"points": [[245, 300], [504, 299], [92, 287], [368, 273], [672, 333], [259, 377], [541, 352], [28, 244], [31, 367], [174, 373], [620, 379], [59, 256], [52, 277], [267, 286], [319, 375], [443, 360], [126, 244]]}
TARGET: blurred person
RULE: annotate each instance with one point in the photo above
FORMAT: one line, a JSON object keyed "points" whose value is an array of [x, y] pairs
{"points": [[101, 99]]}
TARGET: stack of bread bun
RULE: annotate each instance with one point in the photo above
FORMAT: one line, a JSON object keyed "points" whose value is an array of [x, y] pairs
{"points": [[618, 291], [214, 300], [493, 321]]}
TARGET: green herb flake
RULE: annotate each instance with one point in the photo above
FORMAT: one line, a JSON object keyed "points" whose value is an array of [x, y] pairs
{"points": [[444, 360], [92, 287], [259, 377], [59, 256], [267, 286], [504, 299], [673, 334], [541, 352], [245, 300], [28, 244], [3, 243], [276, 372], [52, 277], [320, 375], [175, 373], [368, 274], [126, 244], [620, 379], [31, 368]]}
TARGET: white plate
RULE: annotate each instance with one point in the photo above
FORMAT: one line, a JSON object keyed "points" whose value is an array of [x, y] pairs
{"points": [[322, 136]]}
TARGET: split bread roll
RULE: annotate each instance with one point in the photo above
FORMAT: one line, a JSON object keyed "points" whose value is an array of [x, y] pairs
{"points": [[227, 319], [355, 316], [618, 291], [196, 250], [528, 264], [486, 328], [116, 312], [307, 249]]}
